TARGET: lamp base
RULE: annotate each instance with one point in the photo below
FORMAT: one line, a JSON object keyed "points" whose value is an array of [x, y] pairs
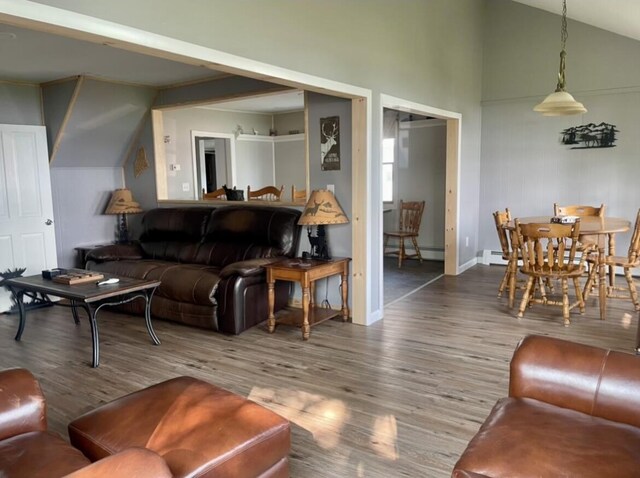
{"points": [[319, 247], [123, 232]]}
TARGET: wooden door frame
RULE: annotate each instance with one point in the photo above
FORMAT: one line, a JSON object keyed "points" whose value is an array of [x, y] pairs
{"points": [[452, 177]]}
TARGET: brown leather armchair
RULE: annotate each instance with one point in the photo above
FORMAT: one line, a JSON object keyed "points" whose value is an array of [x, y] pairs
{"points": [[27, 448], [573, 410]]}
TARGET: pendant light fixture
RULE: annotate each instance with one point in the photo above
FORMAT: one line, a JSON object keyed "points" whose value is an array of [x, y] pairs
{"points": [[560, 102]]}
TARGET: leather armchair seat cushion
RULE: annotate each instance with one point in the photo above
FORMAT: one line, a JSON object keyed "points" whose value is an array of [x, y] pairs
{"points": [[39, 455], [528, 438], [188, 283], [199, 429]]}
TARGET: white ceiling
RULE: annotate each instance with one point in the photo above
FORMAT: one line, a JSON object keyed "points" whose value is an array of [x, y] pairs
{"points": [[617, 16], [268, 104]]}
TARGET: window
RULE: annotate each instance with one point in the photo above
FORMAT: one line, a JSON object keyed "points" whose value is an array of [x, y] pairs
{"points": [[388, 168]]}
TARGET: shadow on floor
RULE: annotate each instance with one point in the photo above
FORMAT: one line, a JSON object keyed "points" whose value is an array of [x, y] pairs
{"points": [[412, 275]]}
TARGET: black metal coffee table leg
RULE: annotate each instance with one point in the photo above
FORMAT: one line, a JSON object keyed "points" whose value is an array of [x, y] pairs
{"points": [[94, 334], [74, 311], [19, 296], [147, 315]]}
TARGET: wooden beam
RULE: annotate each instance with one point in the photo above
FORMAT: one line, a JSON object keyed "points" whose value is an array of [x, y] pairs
{"points": [[65, 120]]}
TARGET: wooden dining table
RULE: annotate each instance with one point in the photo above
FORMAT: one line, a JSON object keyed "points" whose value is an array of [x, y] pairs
{"points": [[605, 228]]}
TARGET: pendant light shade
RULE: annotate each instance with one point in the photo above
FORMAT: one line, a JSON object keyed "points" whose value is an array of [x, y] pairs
{"points": [[561, 102]]}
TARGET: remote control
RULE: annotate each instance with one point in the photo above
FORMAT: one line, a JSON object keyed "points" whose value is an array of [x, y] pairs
{"points": [[113, 280]]}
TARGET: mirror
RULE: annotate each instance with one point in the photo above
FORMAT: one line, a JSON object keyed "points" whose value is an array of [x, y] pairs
{"points": [[263, 144]]}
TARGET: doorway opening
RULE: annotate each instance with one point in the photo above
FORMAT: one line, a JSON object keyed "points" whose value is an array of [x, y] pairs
{"points": [[213, 161], [421, 165]]}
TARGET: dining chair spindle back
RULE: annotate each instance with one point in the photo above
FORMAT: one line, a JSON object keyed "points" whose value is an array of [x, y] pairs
{"points": [[549, 251]]}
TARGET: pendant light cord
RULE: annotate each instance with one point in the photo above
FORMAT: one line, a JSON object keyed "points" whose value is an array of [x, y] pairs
{"points": [[563, 39]]}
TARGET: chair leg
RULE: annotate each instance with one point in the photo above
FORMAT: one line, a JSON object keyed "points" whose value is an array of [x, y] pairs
{"points": [[632, 287], [513, 276], [386, 241], [590, 281], [579, 296], [505, 280], [415, 245], [525, 297], [401, 253], [565, 301]]}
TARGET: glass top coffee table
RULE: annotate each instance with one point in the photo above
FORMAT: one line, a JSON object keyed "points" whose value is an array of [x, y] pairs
{"points": [[89, 296]]}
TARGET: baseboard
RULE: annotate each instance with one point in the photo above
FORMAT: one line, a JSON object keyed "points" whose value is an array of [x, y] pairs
{"points": [[428, 253], [467, 265]]}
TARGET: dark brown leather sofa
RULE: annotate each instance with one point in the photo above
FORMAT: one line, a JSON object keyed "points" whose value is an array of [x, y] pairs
{"points": [[209, 262], [572, 411]]}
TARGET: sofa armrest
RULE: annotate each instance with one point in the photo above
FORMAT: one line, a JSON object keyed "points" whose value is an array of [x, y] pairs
{"points": [[132, 462], [247, 268], [587, 379], [115, 252], [22, 404]]}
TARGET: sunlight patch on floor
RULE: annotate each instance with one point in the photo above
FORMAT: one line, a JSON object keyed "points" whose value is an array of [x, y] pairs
{"points": [[325, 418]]}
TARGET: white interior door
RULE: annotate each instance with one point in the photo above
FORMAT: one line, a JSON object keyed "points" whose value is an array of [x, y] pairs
{"points": [[27, 233]]}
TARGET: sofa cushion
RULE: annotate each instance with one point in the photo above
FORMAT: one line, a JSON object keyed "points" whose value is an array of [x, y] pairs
{"points": [[237, 233], [188, 283], [39, 455], [527, 438], [173, 234]]}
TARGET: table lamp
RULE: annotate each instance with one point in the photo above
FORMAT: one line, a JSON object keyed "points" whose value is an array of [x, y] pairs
{"points": [[321, 209], [121, 204]]}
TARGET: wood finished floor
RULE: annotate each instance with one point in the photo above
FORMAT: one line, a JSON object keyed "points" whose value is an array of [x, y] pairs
{"points": [[399, 398]]}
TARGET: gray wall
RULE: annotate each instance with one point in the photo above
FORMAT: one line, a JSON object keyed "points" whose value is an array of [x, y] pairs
{"points": [[339, 235], [20, 104], [429, 52], [56, 98], [80, 196], [254, 163], [102, 124], [285, 122], [90, 160], [290, 164], [524, 165]]}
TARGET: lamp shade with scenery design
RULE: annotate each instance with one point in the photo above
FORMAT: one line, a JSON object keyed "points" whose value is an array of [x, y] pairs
{"points": [[321, 209], [121, 204]]}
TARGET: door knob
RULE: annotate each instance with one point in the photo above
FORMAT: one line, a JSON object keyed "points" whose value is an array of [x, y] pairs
{"points": [[48, 222]]}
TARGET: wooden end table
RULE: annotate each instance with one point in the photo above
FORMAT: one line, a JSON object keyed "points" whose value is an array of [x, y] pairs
{"points": [[306, 272], [87, 296]]}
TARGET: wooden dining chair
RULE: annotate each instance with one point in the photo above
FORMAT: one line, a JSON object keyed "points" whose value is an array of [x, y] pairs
{"points": [[580, 211], [410, 219], [267, 193], [549, 251], [217, 194], [298, 195], [586, 241], [628, 262]]}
